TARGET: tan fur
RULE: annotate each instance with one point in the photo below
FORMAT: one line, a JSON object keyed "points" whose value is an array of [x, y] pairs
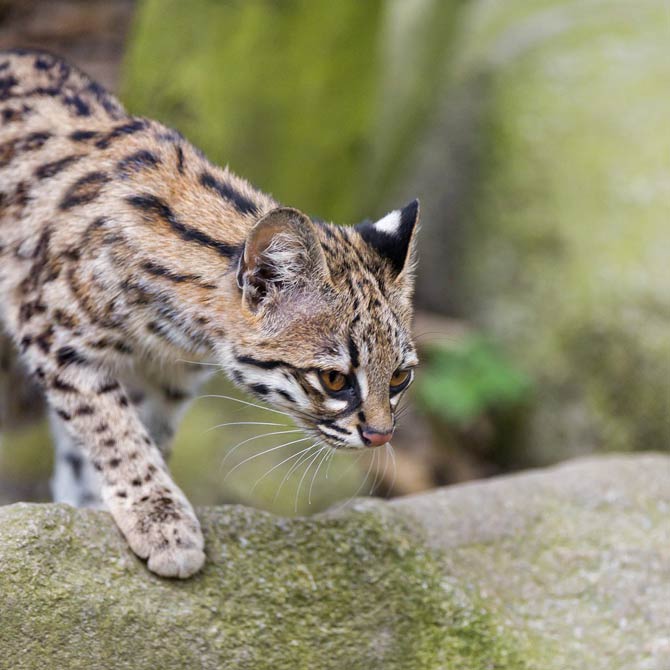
{"points": [[123, 252]]}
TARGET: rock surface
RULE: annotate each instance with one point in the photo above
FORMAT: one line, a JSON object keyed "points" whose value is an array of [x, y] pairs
{"points": [[562, 568], [563, 231]]}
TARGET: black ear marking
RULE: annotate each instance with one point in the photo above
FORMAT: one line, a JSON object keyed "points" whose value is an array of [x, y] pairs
{"points": [[392, 235]]}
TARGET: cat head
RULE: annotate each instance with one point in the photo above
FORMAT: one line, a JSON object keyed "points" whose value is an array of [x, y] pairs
{"points": [[325, 316]]}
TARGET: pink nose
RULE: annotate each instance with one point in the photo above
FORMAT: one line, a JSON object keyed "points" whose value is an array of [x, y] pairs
{"points": [[374, 438]]}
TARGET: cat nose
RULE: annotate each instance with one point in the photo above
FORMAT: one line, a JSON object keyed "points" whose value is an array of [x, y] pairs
{"points": [[375, 438]]}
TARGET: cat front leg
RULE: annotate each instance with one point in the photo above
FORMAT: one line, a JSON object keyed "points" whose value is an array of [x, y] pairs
{"points": [[74, 481], [93, 407]]}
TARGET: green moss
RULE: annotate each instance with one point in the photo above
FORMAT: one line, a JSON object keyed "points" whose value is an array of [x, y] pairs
{"points": [[356, 590]]}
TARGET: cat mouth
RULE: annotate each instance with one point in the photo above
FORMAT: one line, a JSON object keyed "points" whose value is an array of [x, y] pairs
{"points": [[338, 443]]}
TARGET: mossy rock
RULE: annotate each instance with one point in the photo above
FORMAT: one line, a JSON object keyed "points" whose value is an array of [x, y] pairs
{"points": [[559, 242], [555, 569]]}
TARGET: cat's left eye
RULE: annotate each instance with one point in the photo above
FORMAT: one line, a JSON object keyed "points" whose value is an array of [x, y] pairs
{"points": [[399, 380]]}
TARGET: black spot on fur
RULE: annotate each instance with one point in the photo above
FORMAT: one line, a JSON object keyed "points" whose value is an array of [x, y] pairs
{"points": [[63, 414], [60, 385], [54, 167], [113, 109], [83, 135], [124, 129], [44, 63], [6, 86], [137, 161], [285, 395], [84, 190], [34, 141], [25, 342], [353, 353], [69, 356], [79, 106], [261, 389], [84, 410], [180, 159], [29, 309], [76, 463]]}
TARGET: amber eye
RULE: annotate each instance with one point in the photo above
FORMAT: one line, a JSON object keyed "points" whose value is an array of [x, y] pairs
{"points": [[333, 380], [400, 379]]}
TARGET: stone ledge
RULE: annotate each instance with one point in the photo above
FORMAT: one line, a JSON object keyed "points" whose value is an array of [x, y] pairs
{"points": [[558, 568]]}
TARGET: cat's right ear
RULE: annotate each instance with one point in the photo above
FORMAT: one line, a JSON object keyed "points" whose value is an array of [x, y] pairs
{"points": [[281, 252]]}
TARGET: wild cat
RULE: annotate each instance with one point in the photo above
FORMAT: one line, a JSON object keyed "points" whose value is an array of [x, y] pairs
{"points": [[126, 258]]}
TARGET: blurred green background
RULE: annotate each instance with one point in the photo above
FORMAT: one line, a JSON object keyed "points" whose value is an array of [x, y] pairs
{"points": [[535, 134]]}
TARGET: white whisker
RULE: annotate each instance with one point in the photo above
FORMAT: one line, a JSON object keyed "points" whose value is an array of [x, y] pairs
{"points": [[395, 467], [244, 402], [247, 423], [316, 473], [278, 465], [376, 469], [302, 479], [352, 465], [360, 488], [386, 464], [262, 453], [209, 365], [292, 469], [331, 458], [257, 437]]}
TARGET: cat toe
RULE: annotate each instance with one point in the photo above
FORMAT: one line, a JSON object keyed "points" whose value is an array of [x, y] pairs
{"points": [[176, 562]]}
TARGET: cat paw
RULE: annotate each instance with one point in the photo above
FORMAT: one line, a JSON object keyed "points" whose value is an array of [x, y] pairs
{"points": [[176, 562], [165, 532]]}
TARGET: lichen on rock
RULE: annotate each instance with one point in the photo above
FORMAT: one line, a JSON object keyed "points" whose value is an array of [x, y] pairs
{"points": [[547, 570], [355, 589]]}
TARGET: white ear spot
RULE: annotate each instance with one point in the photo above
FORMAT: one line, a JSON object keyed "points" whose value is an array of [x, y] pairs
{"points": [[389, 224]]}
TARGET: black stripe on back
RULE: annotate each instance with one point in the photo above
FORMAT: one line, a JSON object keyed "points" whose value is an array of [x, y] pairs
{"points": [[84, 190], [139, 160], [129, 128], [158, 207], [51, 169], [241, 203], [161, 271]]}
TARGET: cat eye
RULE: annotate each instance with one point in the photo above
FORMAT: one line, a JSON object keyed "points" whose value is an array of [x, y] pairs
{"points": [[333, 381], [399, 380]]}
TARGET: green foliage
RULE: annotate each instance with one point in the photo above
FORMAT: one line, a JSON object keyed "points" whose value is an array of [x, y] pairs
{"points": [[316, 102], [461, 383]]}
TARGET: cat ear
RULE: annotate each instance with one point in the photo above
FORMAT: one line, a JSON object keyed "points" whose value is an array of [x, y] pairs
{"points": [[281, 251], [392, 237]]}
